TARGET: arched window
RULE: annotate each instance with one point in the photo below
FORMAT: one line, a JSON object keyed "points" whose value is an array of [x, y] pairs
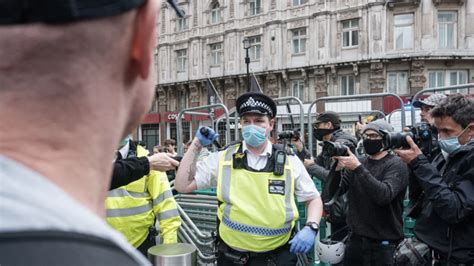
{"points": [[215, 12]]}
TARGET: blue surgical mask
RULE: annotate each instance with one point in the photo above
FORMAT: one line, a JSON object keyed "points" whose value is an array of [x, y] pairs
{"points": [[253, 135], [451, 145]]}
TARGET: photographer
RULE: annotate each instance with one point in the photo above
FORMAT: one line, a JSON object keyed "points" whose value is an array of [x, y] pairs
{"points": [[446, 222], [376, 187], [328, 128], [429, 147]]}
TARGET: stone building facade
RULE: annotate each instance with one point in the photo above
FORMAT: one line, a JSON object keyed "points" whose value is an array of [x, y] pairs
{"points": [[307, 49]]}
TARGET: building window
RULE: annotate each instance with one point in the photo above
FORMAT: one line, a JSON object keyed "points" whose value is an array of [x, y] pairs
{"points": [[398, 82], [172, 130], [182, 99], [347, 85], [151, 135], [403, 32], [299, 2], [255, 47], [181, 60], [441, 78], [447, 22], [255, 7], [299, 41], [186, 131], [297, 89], [350, 33], [182, 24], [215, 13], [216, 54]]}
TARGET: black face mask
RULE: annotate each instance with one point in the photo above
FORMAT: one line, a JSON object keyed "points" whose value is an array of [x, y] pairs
{"points": [[319, 133], [372, 146]]}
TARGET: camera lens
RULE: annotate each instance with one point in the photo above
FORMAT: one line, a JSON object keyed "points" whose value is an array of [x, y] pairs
{"points": [[398, 140], [335, 149]]}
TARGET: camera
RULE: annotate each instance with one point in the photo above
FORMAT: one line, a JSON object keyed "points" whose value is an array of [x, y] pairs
{"points": [[335, 149], [287, 134], [421, 135]]}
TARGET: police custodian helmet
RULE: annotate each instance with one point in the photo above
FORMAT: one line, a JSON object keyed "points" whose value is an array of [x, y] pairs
{"points": [[257, 103]]}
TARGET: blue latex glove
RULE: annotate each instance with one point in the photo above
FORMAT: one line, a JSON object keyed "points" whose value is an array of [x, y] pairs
{"points": [[303, 241], [206, 135]]}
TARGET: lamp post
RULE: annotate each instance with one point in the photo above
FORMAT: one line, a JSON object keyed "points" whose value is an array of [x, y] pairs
{"points": [[246, 42]]}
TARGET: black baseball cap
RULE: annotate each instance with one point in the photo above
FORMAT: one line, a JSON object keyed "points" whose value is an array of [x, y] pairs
{"points": [[255, 102], [329, 116], [63, 11]]}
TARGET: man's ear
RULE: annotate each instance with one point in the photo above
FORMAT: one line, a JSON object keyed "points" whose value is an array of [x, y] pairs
{"points": [[144, 36], [471, 129]]}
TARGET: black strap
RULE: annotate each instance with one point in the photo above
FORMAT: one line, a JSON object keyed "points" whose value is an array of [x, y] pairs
{"points": [[60, 248], [415, 252]]}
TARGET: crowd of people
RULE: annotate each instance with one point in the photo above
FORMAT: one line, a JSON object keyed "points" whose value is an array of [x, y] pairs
{"points": [[76, 200]]}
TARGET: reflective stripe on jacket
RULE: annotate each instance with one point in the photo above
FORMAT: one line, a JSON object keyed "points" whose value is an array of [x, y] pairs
{"points": [[258, 209], [132, 209]]}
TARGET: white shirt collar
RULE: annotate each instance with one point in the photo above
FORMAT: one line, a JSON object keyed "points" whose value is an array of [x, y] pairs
{"points": [[124, 150], [266, 152]]}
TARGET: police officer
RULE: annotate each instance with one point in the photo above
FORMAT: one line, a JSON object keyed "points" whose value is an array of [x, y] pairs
{"points": [[134, 208], [257, 183]]}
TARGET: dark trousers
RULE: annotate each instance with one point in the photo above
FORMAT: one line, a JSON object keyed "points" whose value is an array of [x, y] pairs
{"points": [[279, 257], [362, 251], [338, 234], [148, 243]]}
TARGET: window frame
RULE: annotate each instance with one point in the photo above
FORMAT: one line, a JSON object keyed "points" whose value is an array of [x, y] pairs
{"points": [[255, 47], [350, 31], [446, 76], [181, 60], [410, 25], [297, 36], [454, 23], [397, 84], [298, 2], [182, 24], [216, 54], [255, 7], [299, 85], [344, 84]]}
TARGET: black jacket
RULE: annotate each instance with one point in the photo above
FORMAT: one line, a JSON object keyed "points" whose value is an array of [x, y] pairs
{"points": [[376, 189], [130, 169], [323, 161], [446, 222]]}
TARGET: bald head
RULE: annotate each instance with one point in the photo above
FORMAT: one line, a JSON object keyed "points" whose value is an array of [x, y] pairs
{"points": [[69, 92]]}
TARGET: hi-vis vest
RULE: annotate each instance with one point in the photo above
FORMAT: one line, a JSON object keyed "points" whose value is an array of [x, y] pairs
{"points": [[258, 209], [132, 209]]}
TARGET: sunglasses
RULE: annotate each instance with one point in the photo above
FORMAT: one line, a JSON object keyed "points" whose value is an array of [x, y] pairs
{"points": [[174, 5]]}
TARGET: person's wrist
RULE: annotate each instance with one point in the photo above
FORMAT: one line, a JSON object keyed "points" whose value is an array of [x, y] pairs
{"points": [[197, 143]]}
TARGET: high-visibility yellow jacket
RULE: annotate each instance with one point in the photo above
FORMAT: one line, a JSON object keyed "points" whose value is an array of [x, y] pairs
{"points": [[132, 209], [258, 210]]}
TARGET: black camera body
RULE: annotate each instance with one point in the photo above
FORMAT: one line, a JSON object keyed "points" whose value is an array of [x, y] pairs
{"points": [[287, 135], [335, 149], [421, 134]]}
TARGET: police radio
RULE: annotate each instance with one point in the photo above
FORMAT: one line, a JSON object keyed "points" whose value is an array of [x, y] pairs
{"points": [[280, 158]]}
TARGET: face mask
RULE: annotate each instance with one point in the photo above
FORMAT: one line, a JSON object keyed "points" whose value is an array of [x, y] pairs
{"points": [[372, 146], [253, 135], [451, 145], [319, 133]]}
